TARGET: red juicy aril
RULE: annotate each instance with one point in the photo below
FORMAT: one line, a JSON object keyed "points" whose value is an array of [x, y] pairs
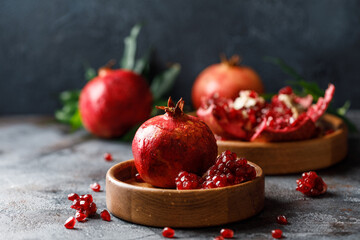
{"points": [[311, 184], [225, 80], [165, 145], [113, 102]]}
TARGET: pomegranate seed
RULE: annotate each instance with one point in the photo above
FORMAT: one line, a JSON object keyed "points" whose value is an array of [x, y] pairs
{"points": [[105, 215], [108, 157], [252, 94], [138, 178], [286, 90], [219, 238], [70, 223], [80, 217], [95, 187], [277, 233], [168, 232], [73, 196], [84, 204], [227, 233], [281, 219], [92, 209], [88, 198]]}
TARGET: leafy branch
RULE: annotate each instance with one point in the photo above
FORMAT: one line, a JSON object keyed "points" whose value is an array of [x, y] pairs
{"points": [[159, 86]]}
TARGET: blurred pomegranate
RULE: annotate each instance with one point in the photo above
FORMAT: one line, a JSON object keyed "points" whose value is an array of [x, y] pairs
{"points": [[167, 144], [114, 101], [225, 80]]}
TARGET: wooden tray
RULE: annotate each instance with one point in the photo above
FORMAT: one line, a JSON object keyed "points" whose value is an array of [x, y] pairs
{"points": [[297, 156], [144, 204]]}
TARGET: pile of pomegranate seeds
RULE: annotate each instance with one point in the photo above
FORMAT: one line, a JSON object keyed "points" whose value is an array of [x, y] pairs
{"points": [[311, 184], [83, 205], [108, 157], [281, 219], [228, 170], [105, 215], [95, 187], [276, 233], [227, 233], [168, 232]]}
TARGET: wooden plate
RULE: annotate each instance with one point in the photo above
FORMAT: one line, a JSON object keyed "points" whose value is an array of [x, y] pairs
{"points": [[297, 156], [143, 204]]}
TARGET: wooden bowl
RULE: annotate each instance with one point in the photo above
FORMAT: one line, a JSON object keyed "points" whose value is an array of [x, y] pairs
{"points": [[297, 156], [144, 204]]}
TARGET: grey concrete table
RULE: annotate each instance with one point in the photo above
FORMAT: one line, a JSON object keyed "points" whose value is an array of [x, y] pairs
{"points": [[41, 163]]}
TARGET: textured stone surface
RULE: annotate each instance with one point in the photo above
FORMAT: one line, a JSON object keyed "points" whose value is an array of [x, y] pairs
{"points": [[40, 163]]}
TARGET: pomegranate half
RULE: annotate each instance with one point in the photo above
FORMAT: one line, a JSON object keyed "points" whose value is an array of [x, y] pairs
{"points": [[167, 144]]}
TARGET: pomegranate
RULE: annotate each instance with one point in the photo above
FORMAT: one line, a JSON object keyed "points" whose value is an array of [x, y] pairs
{"points": [[167, 144], [114, 101], [225, 80], [287, 117]]}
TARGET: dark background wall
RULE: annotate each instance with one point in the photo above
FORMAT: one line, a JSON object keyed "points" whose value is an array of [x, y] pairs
{"points": [[44, 44]]}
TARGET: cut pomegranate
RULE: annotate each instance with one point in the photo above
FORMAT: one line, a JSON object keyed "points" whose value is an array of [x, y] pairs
{"points": [[108, 157], [277, 233], [80, 216], [73, 196], [311, 184], [70, 223], [281, 219], [105, 215], [227, 233], [95, 187], [168, 232]]}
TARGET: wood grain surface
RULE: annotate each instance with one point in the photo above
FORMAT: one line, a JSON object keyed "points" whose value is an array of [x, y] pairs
{"points": [[146, 205]]}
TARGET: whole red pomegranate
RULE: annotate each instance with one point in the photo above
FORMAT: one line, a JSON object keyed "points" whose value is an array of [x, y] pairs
{"points": [[167, 144], [225, 80], [114, 101]]}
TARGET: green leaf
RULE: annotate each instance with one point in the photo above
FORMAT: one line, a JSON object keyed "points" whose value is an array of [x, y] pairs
{"points": [[143, 64], [343, 110], [286, 68], [69, 96], [128, 59], [163, 82], [90, 73], [75, 120]]}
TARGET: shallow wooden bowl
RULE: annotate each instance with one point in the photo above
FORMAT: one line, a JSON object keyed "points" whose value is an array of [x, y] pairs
{"points": [[144, 204], [297, 156]]}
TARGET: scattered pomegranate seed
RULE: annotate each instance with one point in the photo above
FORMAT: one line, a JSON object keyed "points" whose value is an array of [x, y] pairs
{"points": [[281, 219], [277, 233], [138, 178], [105, 215], [227, 233], [70, 223], [311, 184], [108, 157], [80, 216], [95, 187], [92, 209], [73, 196], [219, 238], [87, 197], [168, 232]]}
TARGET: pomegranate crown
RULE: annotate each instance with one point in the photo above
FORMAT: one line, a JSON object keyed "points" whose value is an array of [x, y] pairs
{"points": [[172, 109], [233, 61]]}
